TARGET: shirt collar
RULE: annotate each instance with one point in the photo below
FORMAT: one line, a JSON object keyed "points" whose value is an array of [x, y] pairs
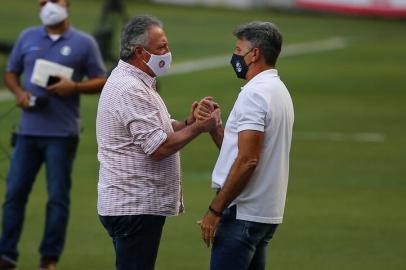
{"points": [[66, 35], [136, 72], [269, 72], [266, 73]]}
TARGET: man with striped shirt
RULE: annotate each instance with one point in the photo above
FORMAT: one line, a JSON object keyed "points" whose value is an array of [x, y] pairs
{"points": [[139, 178]]}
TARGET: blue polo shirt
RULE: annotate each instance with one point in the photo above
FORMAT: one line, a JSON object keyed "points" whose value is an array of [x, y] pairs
{"points": [[74, 49]]}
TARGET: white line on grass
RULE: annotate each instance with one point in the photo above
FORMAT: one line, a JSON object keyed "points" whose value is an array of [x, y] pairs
{"points": [[340, 136], [334, 43], [5, 95]]}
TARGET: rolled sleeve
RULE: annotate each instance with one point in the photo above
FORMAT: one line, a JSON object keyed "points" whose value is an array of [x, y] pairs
{"points": [[251, 111], [141, 117], [153, 141]]}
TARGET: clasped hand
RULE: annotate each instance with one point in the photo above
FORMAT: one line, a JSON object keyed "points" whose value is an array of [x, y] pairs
{"points": [[207, 109]]}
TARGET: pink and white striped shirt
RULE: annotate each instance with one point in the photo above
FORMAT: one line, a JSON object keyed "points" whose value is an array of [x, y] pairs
{"points": [[132, 122]]}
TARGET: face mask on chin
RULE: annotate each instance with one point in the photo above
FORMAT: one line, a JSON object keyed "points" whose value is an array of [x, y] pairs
{"points": [[159, 64], [52, 14], [239, 65]]}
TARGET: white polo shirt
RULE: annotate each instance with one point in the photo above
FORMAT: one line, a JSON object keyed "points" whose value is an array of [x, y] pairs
{"points": [[264, 104]]}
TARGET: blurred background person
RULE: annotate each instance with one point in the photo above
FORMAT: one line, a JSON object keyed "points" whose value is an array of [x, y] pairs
{"points": [[49, 125], [107, 33]]}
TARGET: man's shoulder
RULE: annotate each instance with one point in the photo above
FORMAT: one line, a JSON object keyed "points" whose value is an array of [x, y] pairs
{"points": [[33, 30], [262, 90], [120, 79], [81, 35], [265, 82], [255, 90]]}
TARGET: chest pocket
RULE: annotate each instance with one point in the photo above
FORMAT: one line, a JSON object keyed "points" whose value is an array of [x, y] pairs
{"points": [[31, 53]]}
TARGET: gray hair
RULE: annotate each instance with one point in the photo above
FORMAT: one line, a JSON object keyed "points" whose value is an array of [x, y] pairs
{"points": [[135, 33], [262, 35]]}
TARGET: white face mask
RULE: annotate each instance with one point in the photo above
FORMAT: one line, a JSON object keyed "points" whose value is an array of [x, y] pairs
{"points": [[159, 64], [52, 14]]}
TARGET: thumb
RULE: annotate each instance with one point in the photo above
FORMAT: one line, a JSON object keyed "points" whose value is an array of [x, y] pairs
{"points": [[216, 112], [52, 87]]}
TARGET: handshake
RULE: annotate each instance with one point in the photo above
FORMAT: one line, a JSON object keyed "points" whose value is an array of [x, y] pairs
{"points": [[206, 113]]}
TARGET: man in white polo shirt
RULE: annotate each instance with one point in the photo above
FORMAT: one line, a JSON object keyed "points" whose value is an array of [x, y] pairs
{"points": [[251, 173]]}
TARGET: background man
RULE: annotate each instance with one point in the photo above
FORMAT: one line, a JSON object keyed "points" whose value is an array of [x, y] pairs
{"points": [[139, 181], [251, 173], [49, 126]]}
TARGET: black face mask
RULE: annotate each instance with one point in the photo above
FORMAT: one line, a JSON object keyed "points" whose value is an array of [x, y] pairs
{"points": [[239, 65]]}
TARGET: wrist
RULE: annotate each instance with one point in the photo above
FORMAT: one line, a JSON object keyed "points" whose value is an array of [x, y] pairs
{"points": [[189, 120], [19, 92], [198, 126], [214, 211], [216, 130]]}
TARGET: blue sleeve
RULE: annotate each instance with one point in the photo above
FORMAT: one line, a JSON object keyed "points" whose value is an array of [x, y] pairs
{"points": [[94, 65], [15, 60]]}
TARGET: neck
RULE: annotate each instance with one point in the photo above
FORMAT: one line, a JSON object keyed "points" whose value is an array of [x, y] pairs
{"points": [[138, 63], [59, 28], [256, 69]]}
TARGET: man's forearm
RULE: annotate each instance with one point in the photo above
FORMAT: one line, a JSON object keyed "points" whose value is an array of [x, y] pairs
{"points": [[178, 125], [90, 86], [12, 82], [177, 141], [217, 135], [238, 178]]}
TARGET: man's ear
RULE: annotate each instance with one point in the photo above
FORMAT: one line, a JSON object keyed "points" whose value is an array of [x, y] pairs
{"points": [[138, 51], [256, 55]]}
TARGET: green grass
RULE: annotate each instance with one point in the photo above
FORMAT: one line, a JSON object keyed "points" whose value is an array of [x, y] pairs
{"points": [[345, 199]]}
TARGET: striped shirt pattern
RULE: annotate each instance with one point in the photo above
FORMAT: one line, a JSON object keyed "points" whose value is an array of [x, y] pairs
{"points": [[132, 122]]}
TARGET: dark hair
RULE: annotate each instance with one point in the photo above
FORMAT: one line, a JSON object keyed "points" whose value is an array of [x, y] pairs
{"points": [[262, 35], [136, 33]]}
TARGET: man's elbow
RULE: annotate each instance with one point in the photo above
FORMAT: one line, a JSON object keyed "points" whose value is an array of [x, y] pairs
{"points": [[159, 154], [156, 156], [250, 161], [102, 81], [9, 75]]}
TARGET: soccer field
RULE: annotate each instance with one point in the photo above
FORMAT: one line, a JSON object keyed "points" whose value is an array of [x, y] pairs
{"points": [[347, 184]]}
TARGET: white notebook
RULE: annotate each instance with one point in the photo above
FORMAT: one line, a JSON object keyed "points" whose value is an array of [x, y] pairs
{"points": [[44, 68]]}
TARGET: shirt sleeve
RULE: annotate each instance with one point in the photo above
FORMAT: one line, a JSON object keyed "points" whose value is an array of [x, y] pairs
{"points": [[141, 117], [15, 61], [251, 111], [94, 61]]}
